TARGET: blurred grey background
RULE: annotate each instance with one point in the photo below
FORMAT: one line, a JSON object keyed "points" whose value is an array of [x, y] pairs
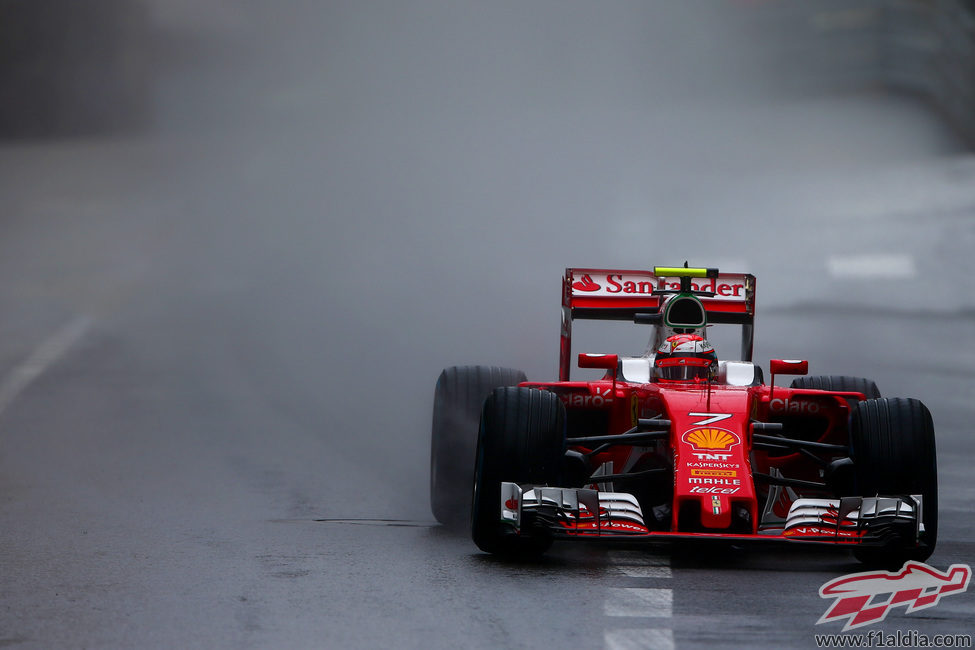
{"points": [[399, 185]]}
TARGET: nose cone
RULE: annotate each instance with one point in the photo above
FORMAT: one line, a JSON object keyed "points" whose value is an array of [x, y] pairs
{"points": [[716, 511]]}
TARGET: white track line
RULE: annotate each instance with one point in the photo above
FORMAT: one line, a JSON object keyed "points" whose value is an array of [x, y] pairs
{"points": [[43, 357], [645, 571], [646, 639], [638, 558], [880, 266], [638, 601], [637, 564]]}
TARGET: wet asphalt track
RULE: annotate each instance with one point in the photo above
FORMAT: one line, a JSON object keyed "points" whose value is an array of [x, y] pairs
{"points": [[187, 460], [219, 347]]}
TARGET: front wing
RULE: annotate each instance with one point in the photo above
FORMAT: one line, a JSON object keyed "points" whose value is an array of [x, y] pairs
{"points": [[584, 513]]}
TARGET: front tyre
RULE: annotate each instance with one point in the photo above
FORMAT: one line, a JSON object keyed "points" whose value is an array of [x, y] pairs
{"points": [[522, 440], [893, 450], [457, 402]]}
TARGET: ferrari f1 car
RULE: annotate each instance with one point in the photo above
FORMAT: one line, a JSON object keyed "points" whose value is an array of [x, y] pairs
{"points": [[674, 444]]}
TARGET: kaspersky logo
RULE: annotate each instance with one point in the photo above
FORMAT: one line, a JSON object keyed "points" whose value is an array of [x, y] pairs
{"points": [[866, 598]]}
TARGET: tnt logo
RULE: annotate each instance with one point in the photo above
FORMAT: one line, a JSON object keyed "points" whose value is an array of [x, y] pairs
{"points": [[866, 598], [706, 456]]}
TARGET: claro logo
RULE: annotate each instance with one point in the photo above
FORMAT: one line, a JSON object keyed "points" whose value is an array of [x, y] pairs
{"points": [[804, 407], [587, 400]]}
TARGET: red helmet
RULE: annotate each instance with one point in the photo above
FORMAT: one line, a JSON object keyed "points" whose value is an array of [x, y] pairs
{"points": [[685, 357]]}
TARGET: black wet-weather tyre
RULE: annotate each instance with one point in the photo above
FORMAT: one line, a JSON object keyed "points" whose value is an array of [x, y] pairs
{"points": [[457, 402], [893, 450], [522, 440], [839, 383]]}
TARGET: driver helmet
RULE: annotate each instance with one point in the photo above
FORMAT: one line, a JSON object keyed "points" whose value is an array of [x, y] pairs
{"points": [[685, 357]]}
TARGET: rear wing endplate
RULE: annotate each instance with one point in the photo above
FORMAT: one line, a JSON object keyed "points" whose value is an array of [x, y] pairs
{"points": [[607, 294]]}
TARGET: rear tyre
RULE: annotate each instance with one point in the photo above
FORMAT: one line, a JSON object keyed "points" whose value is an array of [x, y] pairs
{"points": [[522, 440], [457, 401], [839, 382], [893, 450]]}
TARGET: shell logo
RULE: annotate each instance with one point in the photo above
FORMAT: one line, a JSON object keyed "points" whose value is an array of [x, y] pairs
{"points": [[710, 438]]}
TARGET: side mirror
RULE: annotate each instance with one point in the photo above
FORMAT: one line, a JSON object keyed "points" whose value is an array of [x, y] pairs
{"points": [[605, 361], [788, 367]]}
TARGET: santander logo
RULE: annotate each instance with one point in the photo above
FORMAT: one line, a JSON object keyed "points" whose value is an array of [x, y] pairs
{"points": [[586, 284], [633, 284], [865, 598]]}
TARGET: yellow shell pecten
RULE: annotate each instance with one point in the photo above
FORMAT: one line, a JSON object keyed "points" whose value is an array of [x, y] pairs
{"points": [[711, 438]]}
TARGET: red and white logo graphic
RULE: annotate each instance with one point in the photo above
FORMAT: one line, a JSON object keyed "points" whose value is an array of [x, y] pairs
{"points": [[586, 284], [866, 598]]}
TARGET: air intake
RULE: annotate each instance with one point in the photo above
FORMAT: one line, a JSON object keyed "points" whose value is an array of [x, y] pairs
{"points": [[685, 312]]}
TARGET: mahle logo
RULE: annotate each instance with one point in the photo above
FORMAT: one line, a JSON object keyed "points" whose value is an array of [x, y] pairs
{"points": [[866, 598]]}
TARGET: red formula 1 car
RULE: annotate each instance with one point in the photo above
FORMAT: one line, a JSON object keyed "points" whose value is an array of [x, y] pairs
{"points": [[677, 444]]}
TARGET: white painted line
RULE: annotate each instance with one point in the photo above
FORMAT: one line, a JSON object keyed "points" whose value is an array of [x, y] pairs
{"points": [[44, 356], [645, 571], [636, 564], [638, 558], [648, 639], [623, 601], [892, 266]]}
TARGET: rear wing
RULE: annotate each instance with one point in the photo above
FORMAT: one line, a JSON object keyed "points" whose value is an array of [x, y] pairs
{"points": [[607, 294]]}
